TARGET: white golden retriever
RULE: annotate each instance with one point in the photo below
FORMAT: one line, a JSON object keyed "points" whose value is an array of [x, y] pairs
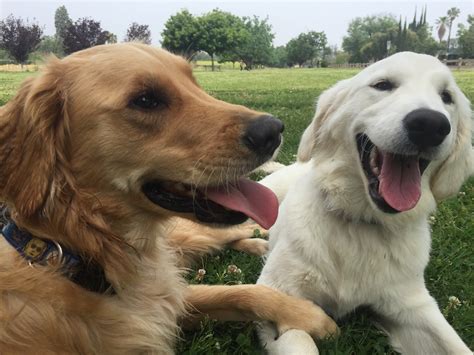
{"points": [[353, 230]]}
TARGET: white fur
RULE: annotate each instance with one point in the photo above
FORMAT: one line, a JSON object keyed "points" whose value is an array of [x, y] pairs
{"points": [[331, 244], [269, 167], [278, 181]]}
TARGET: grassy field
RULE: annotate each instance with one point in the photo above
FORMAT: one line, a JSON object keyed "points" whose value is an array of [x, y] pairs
{"points": [[290, 94]]}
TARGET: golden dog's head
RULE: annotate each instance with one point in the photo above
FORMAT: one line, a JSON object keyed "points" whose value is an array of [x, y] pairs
{"points": [[127, 128]]}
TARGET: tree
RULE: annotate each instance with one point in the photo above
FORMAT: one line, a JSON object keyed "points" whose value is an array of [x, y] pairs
{"points": [[341, 58], [466, 38], [19, 38], [307, 47], [254, 42], [110, 37], [220, 32], [367, 37], [441, 23], [136, 32], [82, 34], [279, 57], [416, 37], [453, 13], [422, 41], [61, 22], [181, 34], [51, 44]]}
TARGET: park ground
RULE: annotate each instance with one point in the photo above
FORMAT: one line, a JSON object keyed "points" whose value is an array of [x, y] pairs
{"points": [[290, 94]]}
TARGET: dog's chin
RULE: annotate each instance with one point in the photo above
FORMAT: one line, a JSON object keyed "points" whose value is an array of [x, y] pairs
{"points": [[190, 201], [372, 159]]}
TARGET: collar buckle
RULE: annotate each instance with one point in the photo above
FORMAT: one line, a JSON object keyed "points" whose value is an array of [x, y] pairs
{"points": [[47, 256]]}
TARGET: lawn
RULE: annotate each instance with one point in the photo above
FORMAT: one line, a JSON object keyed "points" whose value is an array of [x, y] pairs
{"points": [[290, 95]]}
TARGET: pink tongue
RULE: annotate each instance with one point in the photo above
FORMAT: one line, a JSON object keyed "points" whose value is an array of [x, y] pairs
{"points": [[254, 200], [400, 181]]}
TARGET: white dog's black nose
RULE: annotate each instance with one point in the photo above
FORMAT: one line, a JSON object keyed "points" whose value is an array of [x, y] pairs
{"points": [[426, 128], [263, 135]]}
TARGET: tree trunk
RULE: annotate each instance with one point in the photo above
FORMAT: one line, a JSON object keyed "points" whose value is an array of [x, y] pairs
{"points": [[449, 39], [441, 32], [212, 61]]}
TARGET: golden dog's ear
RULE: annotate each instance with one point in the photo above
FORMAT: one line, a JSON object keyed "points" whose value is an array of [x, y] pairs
{"points": [[454, 171], [35, 177], [32, 127], [328, 102]]}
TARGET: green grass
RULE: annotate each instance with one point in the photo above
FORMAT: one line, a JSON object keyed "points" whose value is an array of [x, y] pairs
{"points": [[9, 83], [290, 94]]}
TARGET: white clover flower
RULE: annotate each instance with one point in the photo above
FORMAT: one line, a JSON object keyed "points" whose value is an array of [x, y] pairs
{"points": [[200, 274], [454, 301], [232, 269]]}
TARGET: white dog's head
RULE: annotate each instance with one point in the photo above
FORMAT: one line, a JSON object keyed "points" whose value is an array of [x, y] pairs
{"points": [[391, 138]]}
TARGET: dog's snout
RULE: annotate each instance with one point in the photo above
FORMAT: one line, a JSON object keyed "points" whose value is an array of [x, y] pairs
{"points": [[263, 135], [426, 128]]}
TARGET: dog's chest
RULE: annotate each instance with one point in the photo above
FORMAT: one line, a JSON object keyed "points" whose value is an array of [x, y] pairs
{"points": [[346, 267], [151, 304]]}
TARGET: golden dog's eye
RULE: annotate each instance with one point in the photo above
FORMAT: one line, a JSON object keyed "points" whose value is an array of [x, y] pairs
{"points": [[145, 101], [384, 85], [446, 97]]}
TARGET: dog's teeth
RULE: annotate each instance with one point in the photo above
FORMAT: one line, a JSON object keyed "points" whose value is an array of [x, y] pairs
{"points": [[373, 154], [373, 161]]}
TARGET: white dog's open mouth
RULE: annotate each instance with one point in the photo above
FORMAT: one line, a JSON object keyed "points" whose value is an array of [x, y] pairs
{"points": [[394, 180]]}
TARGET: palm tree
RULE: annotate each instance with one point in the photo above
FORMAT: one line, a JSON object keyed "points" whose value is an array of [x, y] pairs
{"points": [[453, 13], [441, 23]]}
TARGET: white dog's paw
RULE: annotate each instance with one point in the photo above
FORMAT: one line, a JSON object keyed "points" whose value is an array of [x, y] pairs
{"points": [[293, 342]]}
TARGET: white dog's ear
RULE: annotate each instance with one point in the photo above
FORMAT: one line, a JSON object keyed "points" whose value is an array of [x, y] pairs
{"points": [[459, 165], [327, 103], [305, 149]]}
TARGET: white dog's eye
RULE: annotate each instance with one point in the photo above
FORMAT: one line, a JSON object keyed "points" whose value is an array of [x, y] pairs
{"points": [[383, 85], [446, 97]]}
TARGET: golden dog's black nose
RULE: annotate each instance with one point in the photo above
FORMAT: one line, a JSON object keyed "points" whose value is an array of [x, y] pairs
{"points": [[263, 135], [426, 128]]}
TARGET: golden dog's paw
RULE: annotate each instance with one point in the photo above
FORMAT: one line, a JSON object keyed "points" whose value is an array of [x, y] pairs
{"points": [[253, 246], [307, 316], [254, 230]]}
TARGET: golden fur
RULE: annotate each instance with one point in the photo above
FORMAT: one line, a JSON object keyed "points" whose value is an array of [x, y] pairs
{"points": [[74, 155]]}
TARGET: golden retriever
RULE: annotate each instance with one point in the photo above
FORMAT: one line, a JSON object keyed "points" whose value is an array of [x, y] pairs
{"points": [[353, 228], [97, 153]]}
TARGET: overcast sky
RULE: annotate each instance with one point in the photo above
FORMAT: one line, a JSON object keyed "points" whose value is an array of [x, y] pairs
{"points": [[288, 18]]}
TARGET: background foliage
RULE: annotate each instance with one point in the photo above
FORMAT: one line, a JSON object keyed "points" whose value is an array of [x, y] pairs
{"points": [[223, 36]]}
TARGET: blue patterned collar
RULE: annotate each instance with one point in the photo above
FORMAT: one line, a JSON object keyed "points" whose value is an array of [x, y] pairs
{"points": [[36, 251]]}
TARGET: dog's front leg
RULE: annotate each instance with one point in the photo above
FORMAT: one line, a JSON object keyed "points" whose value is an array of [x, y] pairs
{"points": [[258, 302], [192, 241], [415, 324]]}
